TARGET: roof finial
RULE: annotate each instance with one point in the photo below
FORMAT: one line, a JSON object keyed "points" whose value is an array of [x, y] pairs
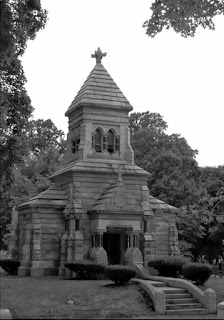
{"points": [[98, 55]]}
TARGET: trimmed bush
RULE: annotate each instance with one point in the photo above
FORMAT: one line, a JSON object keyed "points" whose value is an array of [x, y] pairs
{"points": [[86, 269], [10, 266], [119, 274], [197, 272], [168, 266]]}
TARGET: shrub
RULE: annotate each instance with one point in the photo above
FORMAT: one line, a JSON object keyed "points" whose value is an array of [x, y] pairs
{"points": [[86, 269], [10, 266], [168, 266], [119, 274], [197, 272]]}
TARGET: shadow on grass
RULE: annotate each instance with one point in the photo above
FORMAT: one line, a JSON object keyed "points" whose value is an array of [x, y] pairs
{"points": [[114, 285]]}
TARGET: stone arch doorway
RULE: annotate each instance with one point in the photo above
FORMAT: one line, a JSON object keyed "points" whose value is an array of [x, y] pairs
{"points": [[114, 243]]}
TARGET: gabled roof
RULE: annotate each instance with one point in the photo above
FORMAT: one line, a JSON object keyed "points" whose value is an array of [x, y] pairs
{"points": [[99, 89], [116, 199]]}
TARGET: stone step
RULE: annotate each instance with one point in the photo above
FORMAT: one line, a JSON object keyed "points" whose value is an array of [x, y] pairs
{"points": [[157, 283], [195, 311], [178, 295], [180, 301], [196, 305], [169, 290]]}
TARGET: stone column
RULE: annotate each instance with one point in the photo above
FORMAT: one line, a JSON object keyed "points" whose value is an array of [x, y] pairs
{"points": [[149, 248], [70, 241], [24, 269], [37, 268], [97, 252], [69, 249], [133, 254], [63, 254], [78, 246], [174, 250], [13, 240]]}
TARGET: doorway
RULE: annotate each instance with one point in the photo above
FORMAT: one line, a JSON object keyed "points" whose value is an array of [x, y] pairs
{"points": [[112, 245]]}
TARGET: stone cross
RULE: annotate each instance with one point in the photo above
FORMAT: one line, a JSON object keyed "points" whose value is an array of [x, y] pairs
{"points": [[98, 55]]}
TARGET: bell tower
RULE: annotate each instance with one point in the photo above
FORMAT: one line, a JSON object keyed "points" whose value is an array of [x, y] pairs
{"points": [[98, 119]]}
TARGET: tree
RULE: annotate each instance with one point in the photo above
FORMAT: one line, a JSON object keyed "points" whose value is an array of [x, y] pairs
{"points": [[174, 179], [184, 16], [42, 134], [146, 120], [201, 227], [20, 20], [169, 158], [45, 146], [212, 178]]}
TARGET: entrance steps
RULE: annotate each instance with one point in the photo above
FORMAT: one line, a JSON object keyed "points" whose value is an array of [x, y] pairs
{"points": [[179, 301]]}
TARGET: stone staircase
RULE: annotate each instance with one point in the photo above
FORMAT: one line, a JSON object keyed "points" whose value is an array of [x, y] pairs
{"points": [[179, 301]]}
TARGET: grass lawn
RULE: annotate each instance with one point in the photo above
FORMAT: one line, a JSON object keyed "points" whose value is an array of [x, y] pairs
{"points": [[47, 297], [217, 284]]}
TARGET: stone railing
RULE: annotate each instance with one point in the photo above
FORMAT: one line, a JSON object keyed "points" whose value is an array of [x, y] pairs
{"points": [[156, 294], [220, 314], [207, 297]]}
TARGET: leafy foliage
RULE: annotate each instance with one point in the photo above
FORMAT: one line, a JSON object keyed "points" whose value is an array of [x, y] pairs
{"points": [[120, 274], [20, 20], [197, 272], [169, 158], [184, 16], [201, 228], [43, 134], [168, 266], [177, 179], [10, 266], [86, 269], [45, 146]]}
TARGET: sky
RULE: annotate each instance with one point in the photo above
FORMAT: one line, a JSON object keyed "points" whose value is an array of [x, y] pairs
{"points": [[181, 79]]}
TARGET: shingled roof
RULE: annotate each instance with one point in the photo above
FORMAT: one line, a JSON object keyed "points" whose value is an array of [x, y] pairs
{"points": [[52, 196], [99, 89], [156, 204], [101, 166]]}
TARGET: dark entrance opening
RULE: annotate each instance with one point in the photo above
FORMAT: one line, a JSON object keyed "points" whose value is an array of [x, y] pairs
{"points": [[112, 245]]}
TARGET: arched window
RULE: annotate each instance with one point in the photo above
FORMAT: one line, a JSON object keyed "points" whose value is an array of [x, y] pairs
{"points": [[98, 140], [110, 142], [75, 144]]}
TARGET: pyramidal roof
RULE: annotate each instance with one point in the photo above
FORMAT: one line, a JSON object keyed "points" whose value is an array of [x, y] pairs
{"points": [[99, 89]]}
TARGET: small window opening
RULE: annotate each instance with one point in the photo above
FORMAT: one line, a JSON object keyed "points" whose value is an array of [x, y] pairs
{"points": [[77, 224], [98, 140], [93, 240], [110, 142], [135, 241], [118, 143], [75, 144], [145, 226]]}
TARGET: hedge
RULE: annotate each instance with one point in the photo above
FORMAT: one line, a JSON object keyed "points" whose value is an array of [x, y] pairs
{"points": [[197, 272], [119, 274], [86, 269], [10, 266], [169, 266]]}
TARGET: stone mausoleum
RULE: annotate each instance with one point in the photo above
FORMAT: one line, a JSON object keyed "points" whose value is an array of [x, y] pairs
{"points": [[98, 207]]}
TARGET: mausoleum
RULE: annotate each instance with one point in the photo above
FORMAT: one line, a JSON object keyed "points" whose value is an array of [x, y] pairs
{"points": [[98, 207]]}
